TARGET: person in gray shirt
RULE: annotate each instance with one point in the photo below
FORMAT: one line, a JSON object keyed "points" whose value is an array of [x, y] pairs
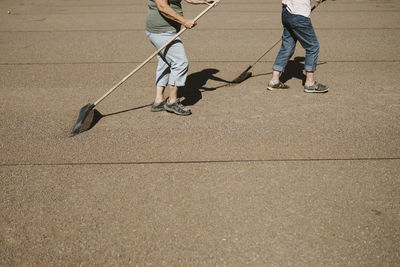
{"points": [[164, 19]]}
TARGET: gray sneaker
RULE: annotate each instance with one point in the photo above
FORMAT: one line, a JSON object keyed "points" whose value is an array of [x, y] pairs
{"points": [[155, 107], [316, 88], [278, 86], [177, 108]]}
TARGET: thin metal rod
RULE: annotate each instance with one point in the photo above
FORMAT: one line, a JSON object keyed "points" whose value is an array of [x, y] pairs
{"points": [[150, 57]]}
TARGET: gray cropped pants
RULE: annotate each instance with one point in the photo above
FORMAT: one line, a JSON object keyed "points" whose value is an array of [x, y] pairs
{"points": [[173, 64]]}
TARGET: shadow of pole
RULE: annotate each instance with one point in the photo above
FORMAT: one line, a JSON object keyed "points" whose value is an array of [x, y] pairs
{"points": [[97, 116], [127, 110]]}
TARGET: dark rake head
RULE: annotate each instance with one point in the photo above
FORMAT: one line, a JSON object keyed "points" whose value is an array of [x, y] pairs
{"points": [[242, 77], [85, 119]]}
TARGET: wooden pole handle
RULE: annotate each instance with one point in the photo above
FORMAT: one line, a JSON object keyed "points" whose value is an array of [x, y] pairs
{"points": [[150, 57]]}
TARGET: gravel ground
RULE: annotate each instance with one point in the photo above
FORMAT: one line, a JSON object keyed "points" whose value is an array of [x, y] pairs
{"points": [[253, 177]]}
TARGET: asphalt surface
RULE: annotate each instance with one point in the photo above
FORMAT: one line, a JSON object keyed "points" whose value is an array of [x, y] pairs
{"points": [[253, 177]]}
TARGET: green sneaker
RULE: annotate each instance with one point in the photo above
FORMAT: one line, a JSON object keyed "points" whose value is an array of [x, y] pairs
{"points": [[278, 86], [316, 88]]}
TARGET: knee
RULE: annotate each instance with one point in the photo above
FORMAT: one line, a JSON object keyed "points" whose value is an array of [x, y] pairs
{"points": [[314, 49], [288, 45], [185, 64], [287, 49], [182, 66]]}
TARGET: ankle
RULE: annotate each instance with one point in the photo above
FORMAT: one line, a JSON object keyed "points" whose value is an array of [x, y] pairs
{"points": [[172, 100], [158, 100], [309, 83], [275, 81]]}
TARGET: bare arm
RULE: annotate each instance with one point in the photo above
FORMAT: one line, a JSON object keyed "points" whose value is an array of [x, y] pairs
{"points": [[168, 12], [200, 1]]}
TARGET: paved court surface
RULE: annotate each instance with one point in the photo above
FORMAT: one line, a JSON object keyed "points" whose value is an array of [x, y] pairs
{"points": [[252, 178]]}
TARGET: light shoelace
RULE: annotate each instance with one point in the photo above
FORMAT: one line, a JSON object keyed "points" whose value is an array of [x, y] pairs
{"points": [[178, 103]]}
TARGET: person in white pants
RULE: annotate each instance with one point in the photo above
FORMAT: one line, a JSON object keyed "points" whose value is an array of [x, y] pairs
{"points": [[164, 19]]}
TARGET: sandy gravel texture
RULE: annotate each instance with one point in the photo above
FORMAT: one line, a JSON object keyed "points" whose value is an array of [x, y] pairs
{"points": [[252, 178]]}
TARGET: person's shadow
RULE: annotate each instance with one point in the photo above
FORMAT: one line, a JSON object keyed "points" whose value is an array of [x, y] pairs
{"points": [[195, 85], [295, 69]]}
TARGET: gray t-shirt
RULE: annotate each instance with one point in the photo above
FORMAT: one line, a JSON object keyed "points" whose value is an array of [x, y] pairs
{"points": [[157, 23]]}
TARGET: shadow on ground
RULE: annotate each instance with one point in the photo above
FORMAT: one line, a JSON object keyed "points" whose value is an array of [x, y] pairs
{"points": [[295, 69], [95, 116], [192, 92], [195, 85]]}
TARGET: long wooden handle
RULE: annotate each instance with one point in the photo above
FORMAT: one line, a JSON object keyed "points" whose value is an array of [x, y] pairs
{"points": [[153, 55]]}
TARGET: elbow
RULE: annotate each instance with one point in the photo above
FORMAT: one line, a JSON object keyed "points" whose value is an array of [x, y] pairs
{"points": [[161, 7]]}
